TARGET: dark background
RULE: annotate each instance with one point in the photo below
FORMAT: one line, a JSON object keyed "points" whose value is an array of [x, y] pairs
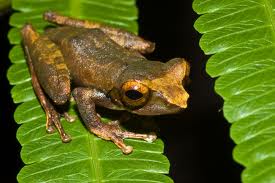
{"points": [[196, 141]]}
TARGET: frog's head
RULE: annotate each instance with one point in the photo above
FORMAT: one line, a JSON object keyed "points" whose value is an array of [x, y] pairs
{"points": [[150, 90]]}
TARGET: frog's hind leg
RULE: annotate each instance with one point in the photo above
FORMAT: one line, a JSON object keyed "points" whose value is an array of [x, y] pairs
{"points": [[123, 38], [42, 71]]}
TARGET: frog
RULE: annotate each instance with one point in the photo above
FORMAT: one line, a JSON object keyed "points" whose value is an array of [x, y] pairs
{"points": [[99, 65]]}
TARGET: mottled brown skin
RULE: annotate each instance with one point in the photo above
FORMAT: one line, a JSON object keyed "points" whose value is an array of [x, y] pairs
{"points": [[103, 66]]}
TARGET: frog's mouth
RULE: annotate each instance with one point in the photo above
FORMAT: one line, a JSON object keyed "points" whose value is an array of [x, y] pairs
{"points": [[157, 105]]}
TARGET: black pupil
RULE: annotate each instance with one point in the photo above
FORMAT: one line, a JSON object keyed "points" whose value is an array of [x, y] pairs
{"points": [[133, 94]]}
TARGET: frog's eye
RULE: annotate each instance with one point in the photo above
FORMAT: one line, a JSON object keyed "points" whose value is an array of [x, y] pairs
{"points": [[134, 94]]}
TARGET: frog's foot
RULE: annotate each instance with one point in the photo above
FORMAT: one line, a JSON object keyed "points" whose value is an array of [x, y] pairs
{"points": [[70, 118], [53, 121], [113, 132]]}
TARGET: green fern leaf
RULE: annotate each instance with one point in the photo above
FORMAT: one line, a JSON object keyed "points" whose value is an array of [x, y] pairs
{"points": [[241, 35], [4, 4], [87, 158]]}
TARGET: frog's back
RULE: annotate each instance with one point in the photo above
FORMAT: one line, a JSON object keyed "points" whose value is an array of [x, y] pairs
{"points": [[91, 56]]}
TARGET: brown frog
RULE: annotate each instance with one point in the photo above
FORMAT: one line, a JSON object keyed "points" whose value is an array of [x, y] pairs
{"points": [[101, 65]]}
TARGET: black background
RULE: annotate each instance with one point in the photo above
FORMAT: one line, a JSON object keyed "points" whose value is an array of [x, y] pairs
{"points": [[196, 141]]}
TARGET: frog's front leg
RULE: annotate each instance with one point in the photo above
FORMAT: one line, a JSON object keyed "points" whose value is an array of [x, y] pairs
{"points": [[123, 38], [85, 99], [49, 72]]}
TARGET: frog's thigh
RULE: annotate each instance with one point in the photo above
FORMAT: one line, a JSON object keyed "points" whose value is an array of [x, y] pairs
{"points": [[30, 36], [50, 68], [129, 40], [123, 38]]}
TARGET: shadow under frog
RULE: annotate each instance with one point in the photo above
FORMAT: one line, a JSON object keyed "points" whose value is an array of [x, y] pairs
{"points": [[106, 67]]}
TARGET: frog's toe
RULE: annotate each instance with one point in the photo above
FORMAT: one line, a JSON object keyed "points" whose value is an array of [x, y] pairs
{"points": [[127, 150], [53, 123], [151, 137], [70, 118], [50, 129], [65, 138]]}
